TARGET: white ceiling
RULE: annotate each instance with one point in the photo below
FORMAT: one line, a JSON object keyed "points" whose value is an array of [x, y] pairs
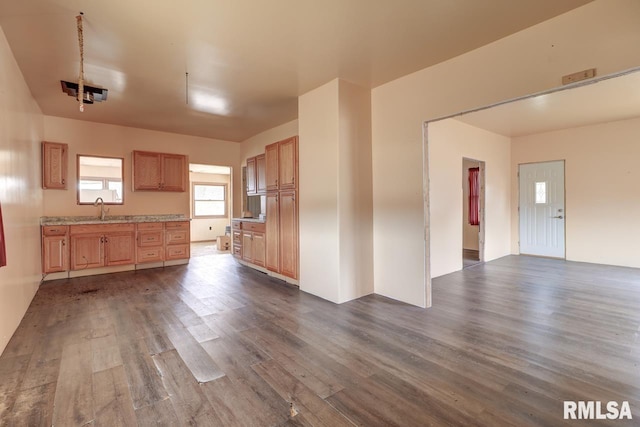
{"points": [[248, 60], [605, 100]]}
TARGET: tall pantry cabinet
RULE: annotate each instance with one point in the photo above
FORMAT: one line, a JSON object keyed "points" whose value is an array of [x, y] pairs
{"points": [[281, 160]]}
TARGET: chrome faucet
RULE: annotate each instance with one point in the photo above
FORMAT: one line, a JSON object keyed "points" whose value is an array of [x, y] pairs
{"points": [[103, 211]]}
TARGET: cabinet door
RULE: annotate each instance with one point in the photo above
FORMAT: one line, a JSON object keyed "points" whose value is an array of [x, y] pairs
{"points": [[120, 248], [54, 165], [273, 233], [261, 174], [259, 248], [271, 166], [174, 172], [146, 170], [288, 234], [288, 163], [247, 246], [54, 254], [251, 176], [87, 251]]}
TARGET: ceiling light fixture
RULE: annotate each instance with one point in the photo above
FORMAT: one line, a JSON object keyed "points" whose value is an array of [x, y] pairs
{"points": [[83, 94]]}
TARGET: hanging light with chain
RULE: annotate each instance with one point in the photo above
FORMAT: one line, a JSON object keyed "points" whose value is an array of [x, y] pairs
{"points": [[81, 74]]}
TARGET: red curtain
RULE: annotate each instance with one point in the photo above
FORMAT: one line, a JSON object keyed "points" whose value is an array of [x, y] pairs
{"points": [[474, 196], [3, 250]]}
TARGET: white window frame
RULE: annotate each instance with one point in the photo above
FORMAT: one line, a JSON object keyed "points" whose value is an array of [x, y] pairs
{"points": [[212, 184]]}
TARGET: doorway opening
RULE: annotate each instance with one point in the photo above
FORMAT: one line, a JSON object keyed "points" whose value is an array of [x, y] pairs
{"points": [[473, 200], [211, 203]]}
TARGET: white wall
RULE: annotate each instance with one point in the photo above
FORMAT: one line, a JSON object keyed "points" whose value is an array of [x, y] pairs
{"points": [[601, 182], [604, 34], [200, 227], [449, 142], [21, 131], [119, 141], [470, 237]]}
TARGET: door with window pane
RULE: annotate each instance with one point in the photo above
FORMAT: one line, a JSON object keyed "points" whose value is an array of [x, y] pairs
{"points": [[542, 210]]}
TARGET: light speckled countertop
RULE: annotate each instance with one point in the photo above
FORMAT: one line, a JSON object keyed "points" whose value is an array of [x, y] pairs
{"points": [[110, 219], [249, 219]]}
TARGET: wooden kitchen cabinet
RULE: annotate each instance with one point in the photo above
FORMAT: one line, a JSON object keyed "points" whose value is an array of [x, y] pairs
{"points": [[272, 261], [253, 242], [177, 240], [120, 248], [256, 175], [100, 245], [149, 242], [288, 163], [261, 174], [54, 165], [271, 166], [281, 164], [251, 176], [159, 171], [87, 251], [288, 234], [55, 252]]}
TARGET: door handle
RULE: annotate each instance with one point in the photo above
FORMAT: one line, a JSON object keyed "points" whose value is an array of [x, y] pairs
{"points": [[559, 217]]}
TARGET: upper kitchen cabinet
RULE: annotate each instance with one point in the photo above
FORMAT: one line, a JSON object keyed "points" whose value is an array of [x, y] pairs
{"points": [[159, 171], [255, 176], [54, 165], [251, 176], [281, 164], [288, 163], [261, 174]]}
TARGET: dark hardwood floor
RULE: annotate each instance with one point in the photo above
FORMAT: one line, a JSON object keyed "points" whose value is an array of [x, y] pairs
{"points": [[216, 344]]}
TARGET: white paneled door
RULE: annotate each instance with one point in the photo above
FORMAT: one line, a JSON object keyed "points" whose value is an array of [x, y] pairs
{"points": [[542, 210]]}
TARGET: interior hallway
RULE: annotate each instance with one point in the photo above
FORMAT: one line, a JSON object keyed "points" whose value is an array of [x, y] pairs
{"points": [[215, 343]]}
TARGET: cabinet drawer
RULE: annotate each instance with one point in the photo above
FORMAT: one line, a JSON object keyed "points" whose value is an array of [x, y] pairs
{"points": [[101, 228], [253, 226], [236, 225], [174, 237], [54, 230], [177, 252], [237, 251], [149, 254], [177, 225], [237, 237], [150, 225], [149, 238]]}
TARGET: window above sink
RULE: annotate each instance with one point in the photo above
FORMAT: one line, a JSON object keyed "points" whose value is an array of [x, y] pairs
{"points": [[102, 177]]}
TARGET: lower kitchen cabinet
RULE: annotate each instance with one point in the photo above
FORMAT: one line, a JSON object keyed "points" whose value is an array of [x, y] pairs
{"points": [[55, 252], [103, 245]]}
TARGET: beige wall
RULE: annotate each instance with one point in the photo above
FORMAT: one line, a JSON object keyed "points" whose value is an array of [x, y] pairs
{"points": [[255, 145], [119, 141], [449, 142], [601, 182], [335, 192], [355, 205], [21, 130], [318, 186], [470, 238], [200, 227], [603, 34]]}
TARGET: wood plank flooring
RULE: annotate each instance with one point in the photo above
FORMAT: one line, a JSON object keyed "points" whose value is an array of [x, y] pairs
{"points": [[213, 343]]}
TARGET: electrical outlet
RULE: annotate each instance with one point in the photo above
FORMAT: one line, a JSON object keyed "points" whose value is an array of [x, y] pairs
{"points": [[580, 75]]}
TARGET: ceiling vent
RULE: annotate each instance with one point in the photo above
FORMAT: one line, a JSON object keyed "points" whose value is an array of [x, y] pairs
{"points": [[91, 94]]}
